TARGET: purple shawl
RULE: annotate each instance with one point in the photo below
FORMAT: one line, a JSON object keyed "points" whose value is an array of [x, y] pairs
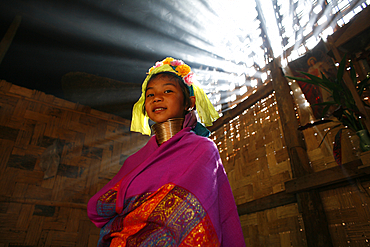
{"points": [[186, 160]]}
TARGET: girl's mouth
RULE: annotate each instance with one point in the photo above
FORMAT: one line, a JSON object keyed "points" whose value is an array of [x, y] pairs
{"points": [[159, 109]]}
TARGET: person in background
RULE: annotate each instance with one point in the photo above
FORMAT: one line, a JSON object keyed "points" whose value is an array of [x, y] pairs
{"points": [[174, 191]]}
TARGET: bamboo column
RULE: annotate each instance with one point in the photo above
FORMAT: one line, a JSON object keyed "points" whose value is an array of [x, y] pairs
{"points": [[313, 214]]}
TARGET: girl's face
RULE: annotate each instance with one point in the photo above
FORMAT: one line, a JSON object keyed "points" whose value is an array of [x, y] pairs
{"points": [[164, 99]]}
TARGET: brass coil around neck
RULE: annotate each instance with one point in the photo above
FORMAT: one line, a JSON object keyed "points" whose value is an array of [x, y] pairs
{"points": [[164, 131]]}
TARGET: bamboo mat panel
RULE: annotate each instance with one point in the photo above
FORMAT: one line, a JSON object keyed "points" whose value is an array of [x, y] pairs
{"points": [[278, 227], [348, 214], [321, 156], [253, 152], [52, 212]]}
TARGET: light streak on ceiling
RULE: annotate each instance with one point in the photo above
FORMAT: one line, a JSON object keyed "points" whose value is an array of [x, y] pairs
{"points": [[120, 39]]}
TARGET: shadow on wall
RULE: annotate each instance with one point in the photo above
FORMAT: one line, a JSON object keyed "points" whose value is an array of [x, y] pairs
{"points": [[103, 94]]}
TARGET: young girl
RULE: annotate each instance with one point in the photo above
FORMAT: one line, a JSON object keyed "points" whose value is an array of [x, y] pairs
{"points": [[173, 191]]}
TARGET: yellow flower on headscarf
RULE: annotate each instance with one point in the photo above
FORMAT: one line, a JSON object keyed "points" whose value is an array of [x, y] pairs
{"points": [[168, 60], [183, 70]]}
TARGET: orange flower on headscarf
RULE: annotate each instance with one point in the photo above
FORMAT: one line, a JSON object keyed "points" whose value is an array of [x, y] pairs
{"points": [[183, 70]]}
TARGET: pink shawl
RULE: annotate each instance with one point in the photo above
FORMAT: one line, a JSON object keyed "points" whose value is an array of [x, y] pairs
{"points": [[188, 161]]}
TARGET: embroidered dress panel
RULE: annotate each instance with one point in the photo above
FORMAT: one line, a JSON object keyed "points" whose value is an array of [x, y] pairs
{"points": [[170, 216]]}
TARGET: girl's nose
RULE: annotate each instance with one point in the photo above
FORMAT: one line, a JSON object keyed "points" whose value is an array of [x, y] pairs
{"points": [[158, 98]]}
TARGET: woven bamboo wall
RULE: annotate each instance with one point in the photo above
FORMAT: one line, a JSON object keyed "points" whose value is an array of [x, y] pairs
{"points": [[348, 213], [52, 212], [254, 155], [321, 156], [280, 226], [253, 152]]}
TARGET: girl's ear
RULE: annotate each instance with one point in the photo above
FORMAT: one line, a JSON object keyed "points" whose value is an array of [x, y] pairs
{"points": [[192, 100]]}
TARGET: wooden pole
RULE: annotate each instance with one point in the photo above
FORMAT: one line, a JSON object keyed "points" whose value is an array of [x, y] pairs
{"points": [[313, 214], [8, 37], [293, 137]]}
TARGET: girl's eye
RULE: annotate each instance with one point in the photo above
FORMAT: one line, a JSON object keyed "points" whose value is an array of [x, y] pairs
{"points": [[168, 91], [149, 95]]}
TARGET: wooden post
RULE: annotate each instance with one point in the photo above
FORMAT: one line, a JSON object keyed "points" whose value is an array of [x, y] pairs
{"points": [[8, 37], [313, 214]]}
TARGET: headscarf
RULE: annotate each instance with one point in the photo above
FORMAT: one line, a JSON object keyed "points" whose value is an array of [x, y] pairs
{"points": [[205, 109]]}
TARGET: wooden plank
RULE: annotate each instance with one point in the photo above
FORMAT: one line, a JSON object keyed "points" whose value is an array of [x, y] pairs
{"points": [[289, 123], [268, 202], [365, 158], [325, 177], [314, 218], [365, 168], [359, 24]]}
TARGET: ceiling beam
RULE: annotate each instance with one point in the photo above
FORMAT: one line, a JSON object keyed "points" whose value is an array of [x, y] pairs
{"points": [[8, 37]]}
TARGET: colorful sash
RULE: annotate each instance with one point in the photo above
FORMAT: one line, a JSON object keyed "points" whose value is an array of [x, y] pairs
{"points": [[170, 216]]}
